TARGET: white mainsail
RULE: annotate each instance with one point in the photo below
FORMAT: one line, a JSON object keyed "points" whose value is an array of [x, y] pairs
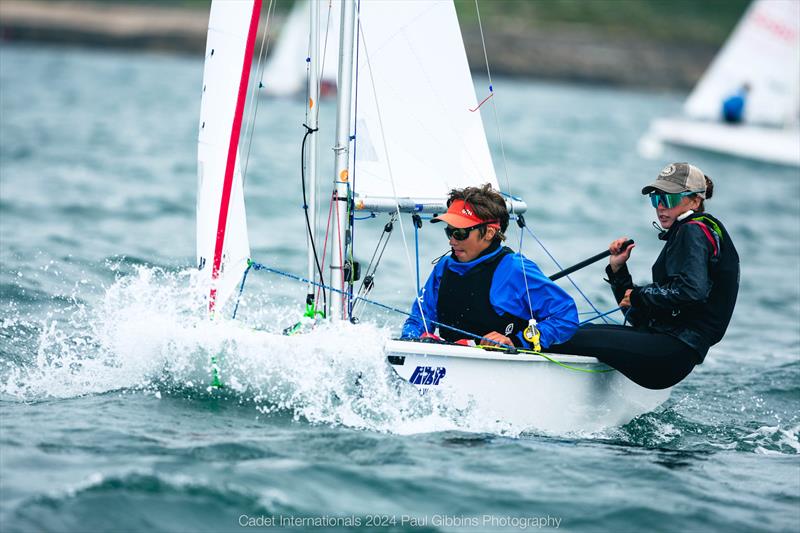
{"points": [[414, 124], [223, 247], [764, 52], [285, 70]]}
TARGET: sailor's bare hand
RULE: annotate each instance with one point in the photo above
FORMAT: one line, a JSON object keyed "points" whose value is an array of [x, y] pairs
{"points": [[626, 300], [496, 338], [619, 256]]}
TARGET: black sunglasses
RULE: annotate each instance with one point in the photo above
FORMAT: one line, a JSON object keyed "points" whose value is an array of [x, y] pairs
{"points": [[460, 234]]}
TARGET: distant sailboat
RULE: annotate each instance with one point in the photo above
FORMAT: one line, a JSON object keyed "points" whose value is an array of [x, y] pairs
{"points": [[285, 69], [763, 52]]}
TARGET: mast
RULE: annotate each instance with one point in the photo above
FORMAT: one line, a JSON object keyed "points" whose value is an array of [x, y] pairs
{"points": [[312, 121], [344, 99]]}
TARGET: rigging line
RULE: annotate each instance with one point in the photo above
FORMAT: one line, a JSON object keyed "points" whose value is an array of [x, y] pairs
{"points": [[310, 131], [312, 116], [507, 195], [417, 225], [367, 282], [351, 187], [481, 104], [494, 346], [491, 93], [259, 266], [625, 314], [386, 234], [324, 53], [316, 107], [524, 276], [541, 244], [251, 120], [241, 288], [552, 360], [325, 250], [349, 250], [341, 257], [389, 168], [316, 111]]}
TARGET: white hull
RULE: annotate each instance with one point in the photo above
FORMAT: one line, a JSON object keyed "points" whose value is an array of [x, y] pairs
{"points": [[771, 145], [525, 390]]}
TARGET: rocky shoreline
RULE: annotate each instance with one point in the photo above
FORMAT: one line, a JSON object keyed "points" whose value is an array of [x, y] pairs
{"points": [[568, 53]]}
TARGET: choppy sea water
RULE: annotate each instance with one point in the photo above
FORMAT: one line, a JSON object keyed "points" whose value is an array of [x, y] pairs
{"points": [[106, 417]]}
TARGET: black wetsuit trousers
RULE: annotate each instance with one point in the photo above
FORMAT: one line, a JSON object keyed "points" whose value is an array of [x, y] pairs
{"points": [[653, 360]]}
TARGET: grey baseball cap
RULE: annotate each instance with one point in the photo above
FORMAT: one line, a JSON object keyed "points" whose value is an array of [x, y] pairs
{"points": [[679, 177]]}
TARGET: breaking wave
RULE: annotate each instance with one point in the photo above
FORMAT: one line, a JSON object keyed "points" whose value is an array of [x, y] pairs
{"points": [[149, 331]]}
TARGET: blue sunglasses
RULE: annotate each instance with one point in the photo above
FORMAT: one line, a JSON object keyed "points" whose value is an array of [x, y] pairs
{"points": [[668, 200]]}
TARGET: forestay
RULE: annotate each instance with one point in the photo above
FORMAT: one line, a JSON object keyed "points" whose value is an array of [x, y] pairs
{"points": [[414, 99], [763, 51], [222, 240]]}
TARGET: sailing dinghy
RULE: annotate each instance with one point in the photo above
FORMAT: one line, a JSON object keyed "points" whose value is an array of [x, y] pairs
{"points": [[408, 129], [763, 52]]}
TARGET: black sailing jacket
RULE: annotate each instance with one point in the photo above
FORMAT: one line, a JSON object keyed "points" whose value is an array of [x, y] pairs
{"points": [[695, 284]]}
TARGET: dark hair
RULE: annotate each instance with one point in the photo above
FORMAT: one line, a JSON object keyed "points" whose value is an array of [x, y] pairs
{"points": [[487, 204], [709, 194]]}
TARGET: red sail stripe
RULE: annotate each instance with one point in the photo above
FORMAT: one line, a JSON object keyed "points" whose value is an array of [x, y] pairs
{"points": [[232, 148]]}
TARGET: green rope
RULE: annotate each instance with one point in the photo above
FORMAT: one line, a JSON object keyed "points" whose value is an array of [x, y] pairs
{"points": [[559, 363]]}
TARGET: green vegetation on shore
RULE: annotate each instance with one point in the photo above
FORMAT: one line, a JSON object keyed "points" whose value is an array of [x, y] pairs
{"points": [[689, 21], [646, 43]]}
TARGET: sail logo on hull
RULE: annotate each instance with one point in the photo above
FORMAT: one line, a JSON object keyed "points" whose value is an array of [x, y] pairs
{"points": [[427, 375]]}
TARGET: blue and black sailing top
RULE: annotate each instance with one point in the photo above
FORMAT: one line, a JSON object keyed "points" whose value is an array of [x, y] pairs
{"points": [[503, 306]]}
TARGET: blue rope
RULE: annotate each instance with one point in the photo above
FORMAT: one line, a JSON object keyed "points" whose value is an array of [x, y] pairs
{"points": [[259, 266], [241, 287], [604, 314], [510, 196], [416, 251], [524, 275], [596, 310], [371, 215]]}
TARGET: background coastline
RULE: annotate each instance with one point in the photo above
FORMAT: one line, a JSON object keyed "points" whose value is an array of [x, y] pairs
{"points": [[521, 46]]}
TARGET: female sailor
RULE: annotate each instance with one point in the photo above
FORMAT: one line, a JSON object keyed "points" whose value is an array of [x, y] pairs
{"points": [[687, 307]]}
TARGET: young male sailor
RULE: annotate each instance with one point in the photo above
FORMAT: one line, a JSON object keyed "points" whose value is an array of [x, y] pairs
{"points": [[687, 307], [485, 288]]}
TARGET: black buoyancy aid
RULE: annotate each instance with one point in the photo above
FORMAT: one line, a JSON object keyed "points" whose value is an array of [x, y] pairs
{"points": [[725, 273], [706, 324], [463, 303]]}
